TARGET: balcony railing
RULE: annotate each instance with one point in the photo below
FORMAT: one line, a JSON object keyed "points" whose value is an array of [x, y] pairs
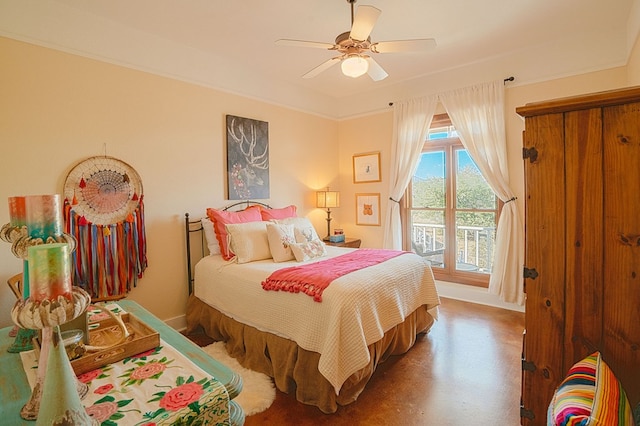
{"points": [[475, 245]]}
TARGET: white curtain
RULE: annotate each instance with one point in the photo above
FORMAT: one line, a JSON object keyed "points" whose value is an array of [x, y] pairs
{"points": [[477, 113], [411, 121]]}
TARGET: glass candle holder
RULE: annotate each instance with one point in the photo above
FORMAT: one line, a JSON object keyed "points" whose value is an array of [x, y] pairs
{"points": [[50, 272], [73, 343], [44, 216]]}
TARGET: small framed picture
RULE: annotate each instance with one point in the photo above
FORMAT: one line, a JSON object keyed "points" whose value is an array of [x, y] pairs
{"points": [[368, 209], [366, 167]]}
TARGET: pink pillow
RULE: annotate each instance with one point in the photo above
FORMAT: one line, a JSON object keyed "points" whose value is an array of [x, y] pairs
{"points": [[220, 218], [283, 213]]}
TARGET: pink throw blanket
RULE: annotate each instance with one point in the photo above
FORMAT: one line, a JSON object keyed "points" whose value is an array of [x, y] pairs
{"points": [[313, 278]]}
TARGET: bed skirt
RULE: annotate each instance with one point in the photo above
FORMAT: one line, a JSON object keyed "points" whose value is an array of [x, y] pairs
{"points": [[295, 369]]}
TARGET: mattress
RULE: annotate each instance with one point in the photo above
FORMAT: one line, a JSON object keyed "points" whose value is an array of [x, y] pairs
{"points": [[356, 309]]}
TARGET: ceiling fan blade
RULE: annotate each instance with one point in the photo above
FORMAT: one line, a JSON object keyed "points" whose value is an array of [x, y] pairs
{"points": [[363, 22], [417, 45], [322, 67], [303, 43], [376, 72]]}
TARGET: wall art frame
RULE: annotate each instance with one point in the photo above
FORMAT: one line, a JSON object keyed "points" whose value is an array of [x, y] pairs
{"points": [[247, 158], [366, 167], [368, 209]]}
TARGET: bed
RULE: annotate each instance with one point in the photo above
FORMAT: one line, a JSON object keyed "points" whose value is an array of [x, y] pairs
{"points": [[324, 349]]}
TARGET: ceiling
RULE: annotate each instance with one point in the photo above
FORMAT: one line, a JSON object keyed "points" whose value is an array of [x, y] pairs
{"points": [[229, 45]]}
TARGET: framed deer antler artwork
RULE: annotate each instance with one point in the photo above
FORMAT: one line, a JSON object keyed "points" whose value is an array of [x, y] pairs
{"points": [[247, 158], [368, 209]]}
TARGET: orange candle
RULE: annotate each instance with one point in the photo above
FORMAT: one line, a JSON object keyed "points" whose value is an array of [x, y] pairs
{"points": [[50, 271], [17, 213]]}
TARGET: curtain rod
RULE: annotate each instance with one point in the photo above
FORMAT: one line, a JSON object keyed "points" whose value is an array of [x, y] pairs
{"points": [[506, 80]]}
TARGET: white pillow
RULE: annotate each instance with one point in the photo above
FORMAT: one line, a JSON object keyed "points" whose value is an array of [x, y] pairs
{"points": [[249, 241], [303, 229], [309, 250], [210, 236], [280, 238]]}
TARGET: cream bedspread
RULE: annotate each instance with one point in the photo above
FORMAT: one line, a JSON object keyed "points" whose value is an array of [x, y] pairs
{"points": [[356, 310]]}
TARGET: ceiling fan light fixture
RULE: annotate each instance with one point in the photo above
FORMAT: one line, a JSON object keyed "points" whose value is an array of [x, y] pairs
{"points": [[354, 66], [353, 47]]}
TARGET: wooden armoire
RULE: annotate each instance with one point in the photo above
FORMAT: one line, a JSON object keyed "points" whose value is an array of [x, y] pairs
{"points": [[582, 244]]}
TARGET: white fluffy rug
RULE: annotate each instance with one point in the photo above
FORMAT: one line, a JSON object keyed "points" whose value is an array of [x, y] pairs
{"points": [[258, 391]]}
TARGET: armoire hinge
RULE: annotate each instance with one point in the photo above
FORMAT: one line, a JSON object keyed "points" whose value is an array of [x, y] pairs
{"points": [[528, 365], [527, 413], [530, 153], [529, 273]]}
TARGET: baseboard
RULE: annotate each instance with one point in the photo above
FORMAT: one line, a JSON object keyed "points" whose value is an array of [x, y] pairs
{"points": [[178, 323], [473, 294]]}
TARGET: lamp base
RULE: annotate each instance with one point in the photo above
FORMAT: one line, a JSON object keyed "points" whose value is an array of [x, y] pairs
{"points": [[328, 225]]}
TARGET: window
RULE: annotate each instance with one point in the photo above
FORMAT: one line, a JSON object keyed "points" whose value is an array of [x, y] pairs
{"points": [[450, 210]]}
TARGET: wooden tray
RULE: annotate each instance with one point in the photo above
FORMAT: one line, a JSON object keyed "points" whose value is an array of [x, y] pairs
{"points": [[142, 338]]}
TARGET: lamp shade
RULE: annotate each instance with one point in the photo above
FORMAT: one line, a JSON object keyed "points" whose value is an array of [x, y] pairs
{"points": [[354, 66], [327, 199]]}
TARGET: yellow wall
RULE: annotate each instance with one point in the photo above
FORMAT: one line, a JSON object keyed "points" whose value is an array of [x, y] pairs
{"points": [[633, 66], [521, 95], [361, 135], [374, 133], [58, 109]]}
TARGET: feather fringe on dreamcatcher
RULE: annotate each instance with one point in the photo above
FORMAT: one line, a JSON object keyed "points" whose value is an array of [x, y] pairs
{"points": [[104, 211]]}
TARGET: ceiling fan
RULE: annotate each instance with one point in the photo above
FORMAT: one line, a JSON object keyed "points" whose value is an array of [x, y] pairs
{"points": [[354, 46]]}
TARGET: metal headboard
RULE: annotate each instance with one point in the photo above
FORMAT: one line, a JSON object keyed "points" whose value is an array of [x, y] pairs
{"points": [[195, 226]]}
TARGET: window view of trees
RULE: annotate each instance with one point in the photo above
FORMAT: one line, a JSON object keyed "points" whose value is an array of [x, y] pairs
{"points": [[452, 212]]}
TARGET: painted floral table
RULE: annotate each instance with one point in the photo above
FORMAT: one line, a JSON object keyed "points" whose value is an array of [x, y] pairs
{"points": [[175, 383]]}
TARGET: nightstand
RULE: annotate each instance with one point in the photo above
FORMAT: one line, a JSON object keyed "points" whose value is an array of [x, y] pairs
{"points": [[349, 242]]}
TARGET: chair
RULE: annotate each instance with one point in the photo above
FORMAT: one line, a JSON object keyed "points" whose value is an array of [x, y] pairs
{"points": [[430, 255], [15, 284]]}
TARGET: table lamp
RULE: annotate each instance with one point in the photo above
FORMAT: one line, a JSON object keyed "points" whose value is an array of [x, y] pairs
{"points": [[328, 199]]}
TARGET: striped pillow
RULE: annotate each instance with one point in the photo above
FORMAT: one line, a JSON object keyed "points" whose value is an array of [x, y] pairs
{"points": [[590, 395]]}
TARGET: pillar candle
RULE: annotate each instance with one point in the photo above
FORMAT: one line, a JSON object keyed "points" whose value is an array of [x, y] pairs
{"points": [[50, 271], [17, 213], [44, 216]]}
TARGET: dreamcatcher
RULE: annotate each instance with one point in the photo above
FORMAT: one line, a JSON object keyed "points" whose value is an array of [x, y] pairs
{"points": [[103, 209]]}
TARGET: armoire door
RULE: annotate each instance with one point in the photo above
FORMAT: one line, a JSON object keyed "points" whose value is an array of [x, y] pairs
{"points": [[544, 254], [621, 313]]}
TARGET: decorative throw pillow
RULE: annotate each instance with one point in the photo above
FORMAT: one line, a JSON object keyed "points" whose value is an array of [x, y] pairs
{"points": [[280, 239], [590, 395], [283, 213], [303, 229], [220, 218], [210, 236], [248, 241], [308, 250]]}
